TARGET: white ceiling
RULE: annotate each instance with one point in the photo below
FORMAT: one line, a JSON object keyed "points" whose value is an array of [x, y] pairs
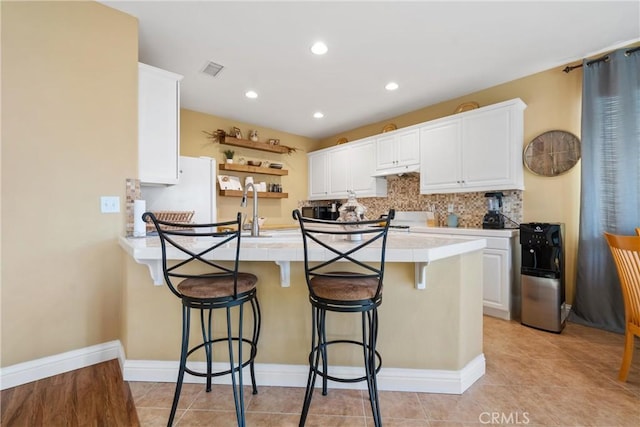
{"points": [[435, 51]]}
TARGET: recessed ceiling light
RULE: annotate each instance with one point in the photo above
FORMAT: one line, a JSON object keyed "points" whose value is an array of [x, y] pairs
{"points": [[319, 48], [251, 94], [318, 115], [391, 86]]}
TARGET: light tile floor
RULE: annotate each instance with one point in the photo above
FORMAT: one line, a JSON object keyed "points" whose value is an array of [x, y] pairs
{"points": [[532, 378]]}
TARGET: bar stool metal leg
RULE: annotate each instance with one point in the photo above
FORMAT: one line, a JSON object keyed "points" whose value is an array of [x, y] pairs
{"points": [[323, 347], [237, 393], [206, 339], [255, 307], [314, 356], [370, 325], [186, 319]]}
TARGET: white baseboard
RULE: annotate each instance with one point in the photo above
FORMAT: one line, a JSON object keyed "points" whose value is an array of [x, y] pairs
{"points": [[494, 312], [37, 369], [395, 379]]}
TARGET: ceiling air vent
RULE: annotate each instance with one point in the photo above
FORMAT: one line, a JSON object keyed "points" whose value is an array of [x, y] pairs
{"points": [[212, 68]]}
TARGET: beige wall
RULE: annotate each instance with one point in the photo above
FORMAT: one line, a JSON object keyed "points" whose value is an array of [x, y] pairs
{"points": [[553, 102], [193, 142], [69, 136]]}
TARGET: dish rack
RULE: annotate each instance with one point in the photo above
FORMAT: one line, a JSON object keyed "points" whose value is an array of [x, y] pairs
{"points": [[183, 217]]}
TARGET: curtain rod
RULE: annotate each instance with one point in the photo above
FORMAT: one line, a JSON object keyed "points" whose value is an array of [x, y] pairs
{"points": [[604, 58]]}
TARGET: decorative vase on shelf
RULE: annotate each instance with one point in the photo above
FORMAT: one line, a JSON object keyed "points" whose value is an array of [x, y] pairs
{"points": [[253, 135]]}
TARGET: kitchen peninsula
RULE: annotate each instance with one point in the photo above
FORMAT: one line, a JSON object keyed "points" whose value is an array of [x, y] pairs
{"points": [[430, 333]]}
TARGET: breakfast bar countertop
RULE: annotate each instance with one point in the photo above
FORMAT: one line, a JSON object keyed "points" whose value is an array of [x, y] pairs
{"points": [[287, 245]]}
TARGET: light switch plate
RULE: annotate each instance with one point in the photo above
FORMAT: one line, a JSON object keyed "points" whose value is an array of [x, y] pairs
{"points": [[109, 204]]}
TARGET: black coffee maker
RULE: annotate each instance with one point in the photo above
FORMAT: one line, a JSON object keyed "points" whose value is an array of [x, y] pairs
{"points": [[493, 218]]}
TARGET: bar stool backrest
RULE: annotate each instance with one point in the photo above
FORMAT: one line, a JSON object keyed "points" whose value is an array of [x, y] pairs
{"points": [[179, 239], [340, 245]]}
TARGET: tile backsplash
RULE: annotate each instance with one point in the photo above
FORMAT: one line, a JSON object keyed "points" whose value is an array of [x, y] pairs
{"points": [[132, 193], [403, 194]]}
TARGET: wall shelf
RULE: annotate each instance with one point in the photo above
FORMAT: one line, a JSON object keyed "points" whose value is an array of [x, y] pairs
{"points": [[261, 194], [252, 169], [262, 146]]}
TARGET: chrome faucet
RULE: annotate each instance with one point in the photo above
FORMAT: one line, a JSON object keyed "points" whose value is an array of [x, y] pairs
{"points": [[255, 231]]}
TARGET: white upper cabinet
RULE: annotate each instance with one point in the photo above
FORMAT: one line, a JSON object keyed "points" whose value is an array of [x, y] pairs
{"points": [[339, 175], [479, 150], [440, 154], [361, 164], [333, 172], [397, 149], [158, 125], [318, 172]]}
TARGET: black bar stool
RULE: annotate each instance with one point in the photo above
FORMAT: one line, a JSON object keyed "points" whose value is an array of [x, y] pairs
{"points": [[342, 283], [203, 284]]}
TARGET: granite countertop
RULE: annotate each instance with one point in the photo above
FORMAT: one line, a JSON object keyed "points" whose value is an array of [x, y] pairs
{"points": [[417, 222], [287, 245], [480, 232]]}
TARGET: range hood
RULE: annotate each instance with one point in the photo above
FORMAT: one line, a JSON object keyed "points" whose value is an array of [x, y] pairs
{"points": [[402, 170]]}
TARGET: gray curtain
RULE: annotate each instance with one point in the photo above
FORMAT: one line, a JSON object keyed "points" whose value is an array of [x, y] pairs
{"points": [[610, 195]]}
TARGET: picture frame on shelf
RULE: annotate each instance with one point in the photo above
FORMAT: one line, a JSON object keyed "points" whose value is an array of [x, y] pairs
{"points": [[229, 182], [274, 142]]}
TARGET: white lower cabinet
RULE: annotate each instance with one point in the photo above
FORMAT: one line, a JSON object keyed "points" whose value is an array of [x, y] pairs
{"points": [[501, 277], [333, 172], [500, 268], [495, 282]]}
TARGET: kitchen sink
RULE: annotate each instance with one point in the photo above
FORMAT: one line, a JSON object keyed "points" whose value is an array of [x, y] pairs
{"points": [[277, 235]]}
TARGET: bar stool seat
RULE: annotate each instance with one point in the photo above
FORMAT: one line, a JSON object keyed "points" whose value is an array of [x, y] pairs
{"points": [[214, 287], [205, 285], [349, 287]]}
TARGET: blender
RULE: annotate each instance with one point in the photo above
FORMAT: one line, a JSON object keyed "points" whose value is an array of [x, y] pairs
{"points": [[493, 218]]}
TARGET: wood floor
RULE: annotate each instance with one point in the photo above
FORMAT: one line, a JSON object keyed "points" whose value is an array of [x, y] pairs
{"points": [[92, 396]]}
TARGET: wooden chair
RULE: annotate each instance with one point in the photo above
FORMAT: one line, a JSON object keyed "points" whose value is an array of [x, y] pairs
{"points": [[626, 254]]}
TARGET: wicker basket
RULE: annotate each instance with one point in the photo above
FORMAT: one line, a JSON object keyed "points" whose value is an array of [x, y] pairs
{"points": [[183, 217]]}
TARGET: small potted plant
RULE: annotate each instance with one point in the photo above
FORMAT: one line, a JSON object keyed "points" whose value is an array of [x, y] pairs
{"points": [[229, 155]]}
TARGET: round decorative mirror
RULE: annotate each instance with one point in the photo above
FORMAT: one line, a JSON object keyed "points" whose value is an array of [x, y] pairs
{"points": [[552, 153]]}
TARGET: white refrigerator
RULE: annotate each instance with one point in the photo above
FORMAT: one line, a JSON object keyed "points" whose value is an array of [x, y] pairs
{"points": [[195, 190]]}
